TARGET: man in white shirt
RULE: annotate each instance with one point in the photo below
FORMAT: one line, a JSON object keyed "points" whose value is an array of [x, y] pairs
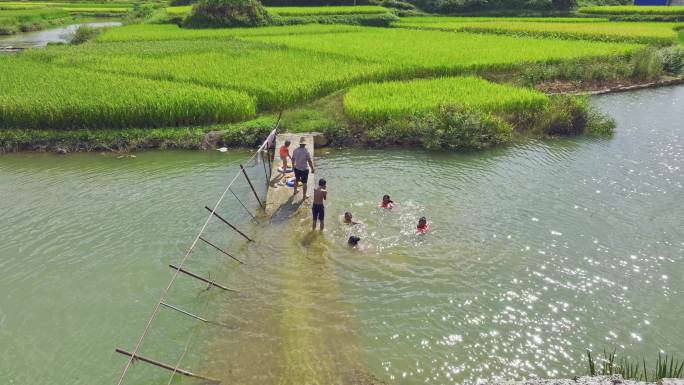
{"points": [[301, 158]]}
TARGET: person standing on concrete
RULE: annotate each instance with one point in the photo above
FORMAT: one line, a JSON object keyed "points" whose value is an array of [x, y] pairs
{"points": [[301, 158]]}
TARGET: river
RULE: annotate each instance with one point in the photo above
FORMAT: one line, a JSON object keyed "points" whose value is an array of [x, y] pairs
{"points": [[40, 39], [537, 251]]}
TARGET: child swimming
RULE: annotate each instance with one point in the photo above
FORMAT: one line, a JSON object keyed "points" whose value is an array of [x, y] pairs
{"points": [[386, 203], [318, 210], [423, 226], [349, 220], [353, 241]]}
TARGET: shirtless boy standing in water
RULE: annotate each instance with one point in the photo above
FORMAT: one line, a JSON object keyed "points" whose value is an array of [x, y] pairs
{"points": [[320, 194]]}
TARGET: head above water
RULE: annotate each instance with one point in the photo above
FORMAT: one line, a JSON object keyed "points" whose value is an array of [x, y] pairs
{"points": [[287, 143], [322, 182], [353, 240], [422, 222], [302, 141], [348, 216], [386, 199]]}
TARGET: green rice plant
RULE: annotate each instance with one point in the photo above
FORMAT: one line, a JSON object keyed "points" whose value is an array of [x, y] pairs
{"points": [[25, 20], [39, 95], [28, 16], [647, 33], [276, 66], [179, 10], [97, 10], [154, 32], [454, 22], [377, 102], [327, 10], [413, 53], [632, 10], [276, 76], [20, 5]]}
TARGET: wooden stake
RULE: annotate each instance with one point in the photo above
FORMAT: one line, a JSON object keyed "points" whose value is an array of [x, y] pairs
{"points": [[242, 204], [219, 249], [263, 162], [252, 187], [228, 223], [183, 311], [195, 317], [212, 283], [166, 366]]}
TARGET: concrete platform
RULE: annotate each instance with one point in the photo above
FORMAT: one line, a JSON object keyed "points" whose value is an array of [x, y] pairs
{"points": [[280, 203]]}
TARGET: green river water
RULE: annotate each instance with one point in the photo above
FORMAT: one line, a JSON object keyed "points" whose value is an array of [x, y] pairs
{"points": [[537, 251]]}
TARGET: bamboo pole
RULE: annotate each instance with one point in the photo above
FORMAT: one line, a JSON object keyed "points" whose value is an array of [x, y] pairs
{"points": [[251, 186], [243, 205], [219, 249], [228, 223], [212, 283], [184, 312], [166, 366]]}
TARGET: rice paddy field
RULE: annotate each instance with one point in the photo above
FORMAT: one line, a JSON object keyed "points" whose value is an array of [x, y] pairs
{"points": [[205, 76], [673, 10], [276, 67], [18, 16], [374, 102], [34, 96], [69, 7], [660, 33]]}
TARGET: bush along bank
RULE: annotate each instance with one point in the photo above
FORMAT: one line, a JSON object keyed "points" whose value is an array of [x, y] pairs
{"points": [[488, 118]]}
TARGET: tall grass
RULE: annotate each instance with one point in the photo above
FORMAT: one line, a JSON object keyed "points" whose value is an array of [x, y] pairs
{"points": [[153, 32], [633, 10], [610, 363], [38, 95], [376, 102]]}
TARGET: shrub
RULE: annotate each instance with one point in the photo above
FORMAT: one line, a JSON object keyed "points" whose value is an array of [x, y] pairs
{"points": [[228, 13], [646, 64], [83, 34], [142, 11], [566, 115], [452, 127], [672, 59]]}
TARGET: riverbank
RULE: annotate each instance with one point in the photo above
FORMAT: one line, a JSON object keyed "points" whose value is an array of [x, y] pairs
{"points": [[325, 116]]}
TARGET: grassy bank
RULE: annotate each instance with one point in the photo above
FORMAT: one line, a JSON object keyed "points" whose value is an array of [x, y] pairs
{"points": [[20, 20]]}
